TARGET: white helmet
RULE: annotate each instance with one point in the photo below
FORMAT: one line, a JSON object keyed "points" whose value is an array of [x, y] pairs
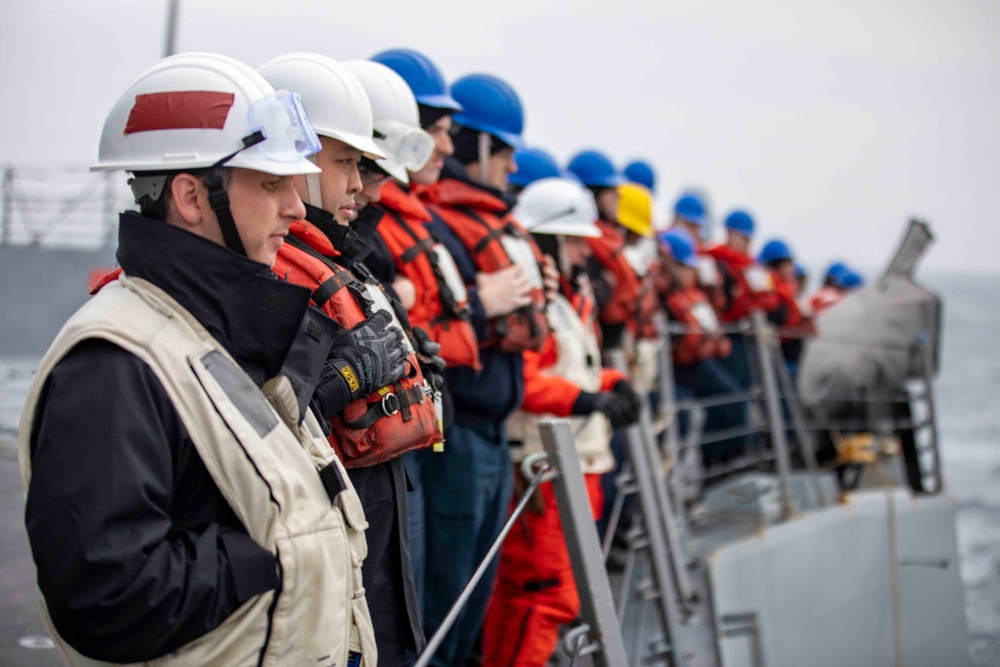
{"points": [[396, 118], [337, 103], [557, 206], [202, 110]]}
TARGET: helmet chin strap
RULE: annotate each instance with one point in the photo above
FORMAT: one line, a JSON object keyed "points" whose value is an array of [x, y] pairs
{"points": [[312, 187], [219, 201], [484, 157]]}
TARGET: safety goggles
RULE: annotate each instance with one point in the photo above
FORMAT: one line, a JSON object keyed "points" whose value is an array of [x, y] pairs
{"points": [[404, 144], [281, 128]]}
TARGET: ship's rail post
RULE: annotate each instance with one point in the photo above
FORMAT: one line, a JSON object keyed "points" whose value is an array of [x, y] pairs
{"points": [[109, 207], [600, 636], [772, 400], [661, 561], [807, 443], [7, 205]]}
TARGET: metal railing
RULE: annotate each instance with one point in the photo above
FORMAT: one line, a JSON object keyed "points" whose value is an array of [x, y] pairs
{"points": [[63, 207]]}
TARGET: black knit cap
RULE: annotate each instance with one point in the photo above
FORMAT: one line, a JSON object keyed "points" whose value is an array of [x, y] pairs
{"points": [[467, 144], [431, 115]]}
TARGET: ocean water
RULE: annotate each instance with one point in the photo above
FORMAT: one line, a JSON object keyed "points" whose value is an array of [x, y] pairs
{"points": [[968, 405]]}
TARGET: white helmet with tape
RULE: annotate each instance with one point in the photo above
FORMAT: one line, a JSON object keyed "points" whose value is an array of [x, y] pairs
{"points": [[199, 112], [203, 110], [337, 103], [557, 206], [396, 119]]}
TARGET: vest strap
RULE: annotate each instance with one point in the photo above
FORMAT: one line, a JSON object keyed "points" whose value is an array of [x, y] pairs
{"points": [[391, 403]]}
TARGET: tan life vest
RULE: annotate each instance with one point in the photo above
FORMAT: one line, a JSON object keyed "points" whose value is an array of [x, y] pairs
{"points": [[579, 361], [273, 474]]}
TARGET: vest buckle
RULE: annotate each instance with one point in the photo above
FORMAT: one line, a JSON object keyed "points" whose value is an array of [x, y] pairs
{"points": [[390, 404]]}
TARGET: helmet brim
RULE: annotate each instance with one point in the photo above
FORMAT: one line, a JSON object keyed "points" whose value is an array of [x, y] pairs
{"points": [[439, 101]]}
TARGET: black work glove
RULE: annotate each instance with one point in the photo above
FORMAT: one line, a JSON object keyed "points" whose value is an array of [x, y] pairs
{"points": [[619, 407], [364, 358], [429, 356], [625, 390]]}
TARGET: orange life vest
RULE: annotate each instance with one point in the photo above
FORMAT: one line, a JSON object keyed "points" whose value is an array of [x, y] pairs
{"points": [[622, 307], [396, 418], [495, 241], [794, 322], [824, 298], [750, 285], [690, 308], [418, 255]]}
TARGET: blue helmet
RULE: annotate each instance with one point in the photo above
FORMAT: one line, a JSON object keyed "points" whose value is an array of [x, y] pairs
{"points": [[834, 271], [682, 247], [489, 105], [641, 172], [595, 169], [774, 250], [848, 279], [422, 75], [533, 164], [691, 208], [740, 221]]}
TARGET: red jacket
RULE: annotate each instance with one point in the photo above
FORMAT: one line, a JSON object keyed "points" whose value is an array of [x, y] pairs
{"points": [[416, 252]]}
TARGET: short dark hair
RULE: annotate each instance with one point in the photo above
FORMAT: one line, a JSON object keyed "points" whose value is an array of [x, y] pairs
{"points": [[157, 208]]}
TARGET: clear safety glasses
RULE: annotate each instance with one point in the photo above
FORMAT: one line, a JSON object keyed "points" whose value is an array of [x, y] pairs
{"points": [[404, 144], [285, 132]]}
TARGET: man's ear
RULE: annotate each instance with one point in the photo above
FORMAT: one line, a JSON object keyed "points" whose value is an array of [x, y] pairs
{"points": [[188, 201]]}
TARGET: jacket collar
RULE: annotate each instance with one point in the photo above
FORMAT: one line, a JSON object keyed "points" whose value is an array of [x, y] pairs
{"points": [[395, 198], [456, 189], [345, 240], [255, 316]]}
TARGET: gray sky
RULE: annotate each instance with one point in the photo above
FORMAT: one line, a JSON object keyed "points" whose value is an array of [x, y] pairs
{"points": [[832, 122]]}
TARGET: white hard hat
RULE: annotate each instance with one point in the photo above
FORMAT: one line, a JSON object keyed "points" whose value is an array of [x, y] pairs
{"points": [[336, 101], [202, 110], [557, 206], [396, 119]]}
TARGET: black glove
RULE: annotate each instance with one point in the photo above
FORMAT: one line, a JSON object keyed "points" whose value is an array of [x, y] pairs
{"points": [[624, 389], [618, 406], [429, 356], [619, 410], [364, 358]]}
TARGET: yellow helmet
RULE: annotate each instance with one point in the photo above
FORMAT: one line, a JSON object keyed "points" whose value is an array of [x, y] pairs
{"points": [[635, 208]]}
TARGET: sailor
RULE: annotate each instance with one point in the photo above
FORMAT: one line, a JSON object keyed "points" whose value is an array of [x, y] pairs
{"points": [[616, 284], [467, 489], [835, 268], [182, 504], [745, 286], [407, 255], [535, 591], [794, 324], [700, 346], [842, 282], [385, 409]]}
